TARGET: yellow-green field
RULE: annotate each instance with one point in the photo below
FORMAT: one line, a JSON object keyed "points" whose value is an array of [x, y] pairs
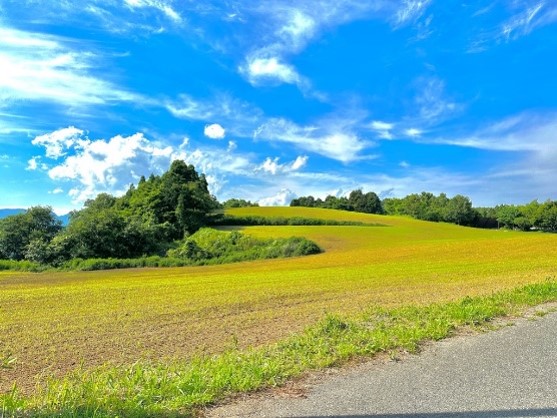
{"points": [[55, 322]]}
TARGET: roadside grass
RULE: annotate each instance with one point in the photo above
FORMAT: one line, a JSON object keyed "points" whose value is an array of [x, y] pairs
{"points": [[147, 389]]}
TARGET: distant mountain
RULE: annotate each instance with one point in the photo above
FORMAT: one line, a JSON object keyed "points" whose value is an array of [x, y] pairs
{"points": [[10, 212], [65, 219]]}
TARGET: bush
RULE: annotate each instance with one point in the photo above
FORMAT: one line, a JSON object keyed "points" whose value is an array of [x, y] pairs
{"points": [[212, 246]]}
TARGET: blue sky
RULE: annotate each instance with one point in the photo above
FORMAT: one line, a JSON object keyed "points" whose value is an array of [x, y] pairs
{"points": [[279, 98]]}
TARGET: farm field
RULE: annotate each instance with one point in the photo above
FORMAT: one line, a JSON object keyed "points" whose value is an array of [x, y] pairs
{"points": [[56, 322]]}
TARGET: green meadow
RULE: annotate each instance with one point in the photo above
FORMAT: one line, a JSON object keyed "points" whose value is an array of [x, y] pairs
{"points": [[165, 341]]}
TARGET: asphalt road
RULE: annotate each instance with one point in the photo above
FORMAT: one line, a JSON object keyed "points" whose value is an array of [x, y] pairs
{"points": [[511, 372]]}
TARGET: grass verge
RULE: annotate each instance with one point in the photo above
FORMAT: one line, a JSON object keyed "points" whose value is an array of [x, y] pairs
{"points": [[178, 389]]}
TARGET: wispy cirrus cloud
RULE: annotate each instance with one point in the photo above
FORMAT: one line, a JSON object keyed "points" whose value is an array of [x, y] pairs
{"points": [[527, 131], [411, 10], [47, 68], [239, 117], [432, 102], [526, 17], [525, 21], [336, 139], [129, 17], [165, 7]]}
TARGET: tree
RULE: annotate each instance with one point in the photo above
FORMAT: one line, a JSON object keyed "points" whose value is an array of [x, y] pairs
{"points": [[506, 215], [549, 216], [38, 224], [241, 203], [459, 210]]}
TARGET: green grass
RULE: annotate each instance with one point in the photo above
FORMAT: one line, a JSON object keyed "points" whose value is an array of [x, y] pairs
{"points": [[178, 388], [172, 317]]}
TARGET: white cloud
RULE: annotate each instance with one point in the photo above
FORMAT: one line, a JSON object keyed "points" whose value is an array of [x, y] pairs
{"points": [[32, 164], [432, 102], [335, 141], [163, 6], [42, 67], [381, 126], [232, 146], [523, 132], [411, 10], [239, 117], [413, 132], [298, 26], [270, 166], [57, 143], [270, 69], [97, 166], [214, 131], [282, 198], [273, 167], [300, 162], [383, 129], [217, 165], [523, 23], [58, 190], [288, 28]]}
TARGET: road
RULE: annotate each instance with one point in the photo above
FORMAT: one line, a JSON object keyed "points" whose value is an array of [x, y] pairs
{"points": [[511, 372]]}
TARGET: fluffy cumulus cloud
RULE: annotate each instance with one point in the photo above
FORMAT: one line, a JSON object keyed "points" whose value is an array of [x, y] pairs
{"points": [[282, 198], [214, 131], [94, 166], [57, 143], [218, 166], [85, 167], [32, 164]]}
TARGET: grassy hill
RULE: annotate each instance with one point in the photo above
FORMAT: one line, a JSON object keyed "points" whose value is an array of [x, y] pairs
{"points": [[167, 314]]}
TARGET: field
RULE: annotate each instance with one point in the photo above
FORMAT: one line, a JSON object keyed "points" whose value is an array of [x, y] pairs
{"points": [[55, 322]]}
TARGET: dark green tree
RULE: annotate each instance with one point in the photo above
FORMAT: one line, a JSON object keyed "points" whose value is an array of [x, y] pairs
{"points": [[38, 225]]}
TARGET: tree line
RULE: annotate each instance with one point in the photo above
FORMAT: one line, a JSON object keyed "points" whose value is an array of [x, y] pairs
{"points": [[154, 217], [458, 210], [356, 201]]}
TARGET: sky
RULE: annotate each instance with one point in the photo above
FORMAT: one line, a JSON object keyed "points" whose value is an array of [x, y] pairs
{"points": [[277, 99]]}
